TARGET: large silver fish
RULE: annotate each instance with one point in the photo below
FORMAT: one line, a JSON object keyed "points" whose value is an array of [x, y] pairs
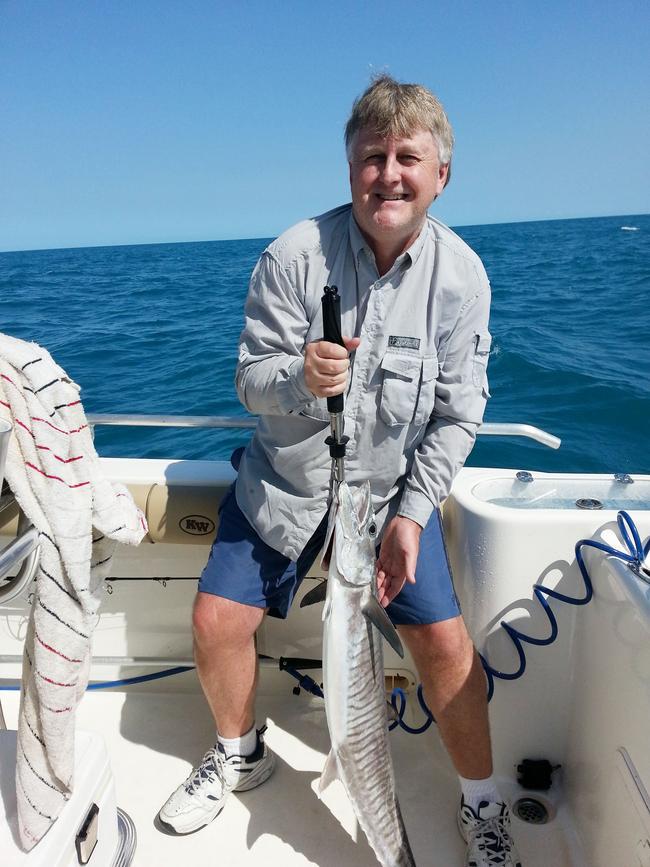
{"points": [[353, 673]]}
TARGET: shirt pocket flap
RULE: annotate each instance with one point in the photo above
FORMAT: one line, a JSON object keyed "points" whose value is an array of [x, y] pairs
{"points": [[483, 343], [429, 368], [406, 366]]}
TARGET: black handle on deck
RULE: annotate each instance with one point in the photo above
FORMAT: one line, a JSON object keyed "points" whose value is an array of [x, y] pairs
{"points": [[332, 333]]}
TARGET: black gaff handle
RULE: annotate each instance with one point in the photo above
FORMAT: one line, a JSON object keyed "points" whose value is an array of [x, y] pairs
{"points": [[332, 333]]}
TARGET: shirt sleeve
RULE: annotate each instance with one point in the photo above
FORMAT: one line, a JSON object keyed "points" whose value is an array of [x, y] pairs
{"points": [[461, 396], [270, 377]]}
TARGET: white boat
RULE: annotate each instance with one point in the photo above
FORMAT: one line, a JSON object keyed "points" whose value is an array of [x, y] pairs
{"points": [[582, 703]]}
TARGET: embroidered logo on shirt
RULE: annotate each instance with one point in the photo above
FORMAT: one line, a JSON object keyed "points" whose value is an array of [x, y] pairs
{"points": [[404, 342]]}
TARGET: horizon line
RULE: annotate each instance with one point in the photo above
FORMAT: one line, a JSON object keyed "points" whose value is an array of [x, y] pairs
{"points": [[265, 237]]}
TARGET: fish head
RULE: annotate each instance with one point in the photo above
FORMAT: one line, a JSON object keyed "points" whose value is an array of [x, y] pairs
{"points": [[353, 524]]}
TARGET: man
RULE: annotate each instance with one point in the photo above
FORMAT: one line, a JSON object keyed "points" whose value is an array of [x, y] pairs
{"points": [[415, 306]]}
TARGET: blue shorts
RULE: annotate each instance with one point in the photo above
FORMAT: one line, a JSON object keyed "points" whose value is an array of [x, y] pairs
{"points": [[245, 569]]}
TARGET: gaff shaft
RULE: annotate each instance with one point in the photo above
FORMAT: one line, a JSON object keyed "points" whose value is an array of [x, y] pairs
{"points": [[331, 305]]}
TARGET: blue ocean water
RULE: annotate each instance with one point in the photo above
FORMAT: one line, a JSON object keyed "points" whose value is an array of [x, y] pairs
{"points": [[154, 329]]}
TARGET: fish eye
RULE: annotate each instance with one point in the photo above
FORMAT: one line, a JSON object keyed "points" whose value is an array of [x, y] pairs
{"points": [[372, 530]]}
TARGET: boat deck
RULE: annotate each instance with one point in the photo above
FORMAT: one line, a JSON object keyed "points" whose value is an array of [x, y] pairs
{"points": [[154, 737]]}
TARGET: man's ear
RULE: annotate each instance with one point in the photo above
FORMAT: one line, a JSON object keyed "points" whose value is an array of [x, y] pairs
{"points": [[447, 174]]}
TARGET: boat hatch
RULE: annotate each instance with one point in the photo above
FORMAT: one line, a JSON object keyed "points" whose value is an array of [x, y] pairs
{"points": [[548, 492]]}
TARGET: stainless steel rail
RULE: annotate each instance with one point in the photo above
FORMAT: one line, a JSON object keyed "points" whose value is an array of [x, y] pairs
{"points": [[25, 550], [248, 422], [5, 432], [505, 429], [220, 421]]}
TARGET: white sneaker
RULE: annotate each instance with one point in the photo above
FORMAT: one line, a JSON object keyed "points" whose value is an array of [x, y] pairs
{"points": [[487, 834], [203, 795]]}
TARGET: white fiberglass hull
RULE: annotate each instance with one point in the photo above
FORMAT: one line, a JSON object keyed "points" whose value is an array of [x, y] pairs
{"points": [[583, 702]]}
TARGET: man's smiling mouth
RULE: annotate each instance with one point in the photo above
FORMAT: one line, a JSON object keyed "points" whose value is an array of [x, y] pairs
{"points": [[394, 198]]}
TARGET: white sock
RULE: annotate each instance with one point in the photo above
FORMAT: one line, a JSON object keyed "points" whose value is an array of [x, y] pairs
{"points": [[475, 791], [241, 746]]}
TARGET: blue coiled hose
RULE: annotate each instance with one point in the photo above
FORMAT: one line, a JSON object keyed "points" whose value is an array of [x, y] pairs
{"points": [[636, 554]]}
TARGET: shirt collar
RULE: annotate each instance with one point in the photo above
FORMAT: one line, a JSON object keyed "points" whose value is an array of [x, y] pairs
{"points": [[408, 257]]}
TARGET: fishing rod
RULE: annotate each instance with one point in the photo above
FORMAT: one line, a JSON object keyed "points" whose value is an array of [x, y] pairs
{"points": [[331, 304]]}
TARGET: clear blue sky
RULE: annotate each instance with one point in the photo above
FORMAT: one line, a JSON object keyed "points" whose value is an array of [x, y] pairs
{"points": [[135, 121]]}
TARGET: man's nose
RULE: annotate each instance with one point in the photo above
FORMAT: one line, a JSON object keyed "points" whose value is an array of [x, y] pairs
{"points": [[391, 170]]}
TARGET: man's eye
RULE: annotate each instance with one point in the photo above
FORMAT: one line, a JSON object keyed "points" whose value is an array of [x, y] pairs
{"points": [[408, 159]]}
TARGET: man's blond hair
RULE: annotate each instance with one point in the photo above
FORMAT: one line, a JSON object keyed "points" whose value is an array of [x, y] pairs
{"points": [[389, 108]]}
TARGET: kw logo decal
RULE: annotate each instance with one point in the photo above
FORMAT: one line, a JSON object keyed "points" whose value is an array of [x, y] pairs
{"points": [[196, 525]]}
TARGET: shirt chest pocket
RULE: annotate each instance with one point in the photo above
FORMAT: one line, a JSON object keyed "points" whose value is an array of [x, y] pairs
{"points": [[408, 388]]}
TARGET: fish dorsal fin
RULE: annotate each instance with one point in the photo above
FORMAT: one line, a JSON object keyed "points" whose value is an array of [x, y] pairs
{"points": [[315, 595], [330, 772], [378, 617]]}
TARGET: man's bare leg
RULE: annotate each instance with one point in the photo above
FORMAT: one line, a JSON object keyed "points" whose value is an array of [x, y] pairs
{"points": [[455, 691], [226, 660]]}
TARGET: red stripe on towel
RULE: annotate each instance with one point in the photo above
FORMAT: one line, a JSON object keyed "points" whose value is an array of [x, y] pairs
{"points": [[54, 455], [60, 430], [56, 478], [47, 448], [24, 426], [57, 710], [54, 650], [54, 682]]}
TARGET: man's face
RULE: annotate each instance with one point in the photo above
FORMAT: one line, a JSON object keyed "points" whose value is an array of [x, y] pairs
{"points": [[393, 182]]}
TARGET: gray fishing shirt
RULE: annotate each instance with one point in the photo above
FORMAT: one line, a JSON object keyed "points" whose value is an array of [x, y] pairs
{"points": [[417, 386]]}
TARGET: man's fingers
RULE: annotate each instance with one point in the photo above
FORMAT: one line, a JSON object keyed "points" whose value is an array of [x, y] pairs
{"points": [[328, 386], [330, 379], [351, 343], [324, 349], [327, 365], [332, 368]]}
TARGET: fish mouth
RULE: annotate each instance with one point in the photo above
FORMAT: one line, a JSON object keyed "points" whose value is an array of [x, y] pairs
{"points": [[355, 507]]}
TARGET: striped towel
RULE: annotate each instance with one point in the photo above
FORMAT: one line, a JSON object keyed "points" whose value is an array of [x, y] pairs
{"points": [[54, 473]]}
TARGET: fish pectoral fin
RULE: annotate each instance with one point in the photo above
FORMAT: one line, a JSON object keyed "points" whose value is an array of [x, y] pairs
{"points": [[392, 714], [316, 594], [329, 774], [374, 612]]}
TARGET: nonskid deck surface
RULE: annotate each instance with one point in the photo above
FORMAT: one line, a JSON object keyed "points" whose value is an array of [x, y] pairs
{"points": [[155, 737]]}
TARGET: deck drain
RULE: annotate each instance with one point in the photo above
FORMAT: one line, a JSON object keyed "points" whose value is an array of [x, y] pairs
{"points": [[588, 503], [530, 810]]}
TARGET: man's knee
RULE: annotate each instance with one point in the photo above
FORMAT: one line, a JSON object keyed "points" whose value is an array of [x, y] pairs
{"points": [[442, 644], [216, 620]]}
